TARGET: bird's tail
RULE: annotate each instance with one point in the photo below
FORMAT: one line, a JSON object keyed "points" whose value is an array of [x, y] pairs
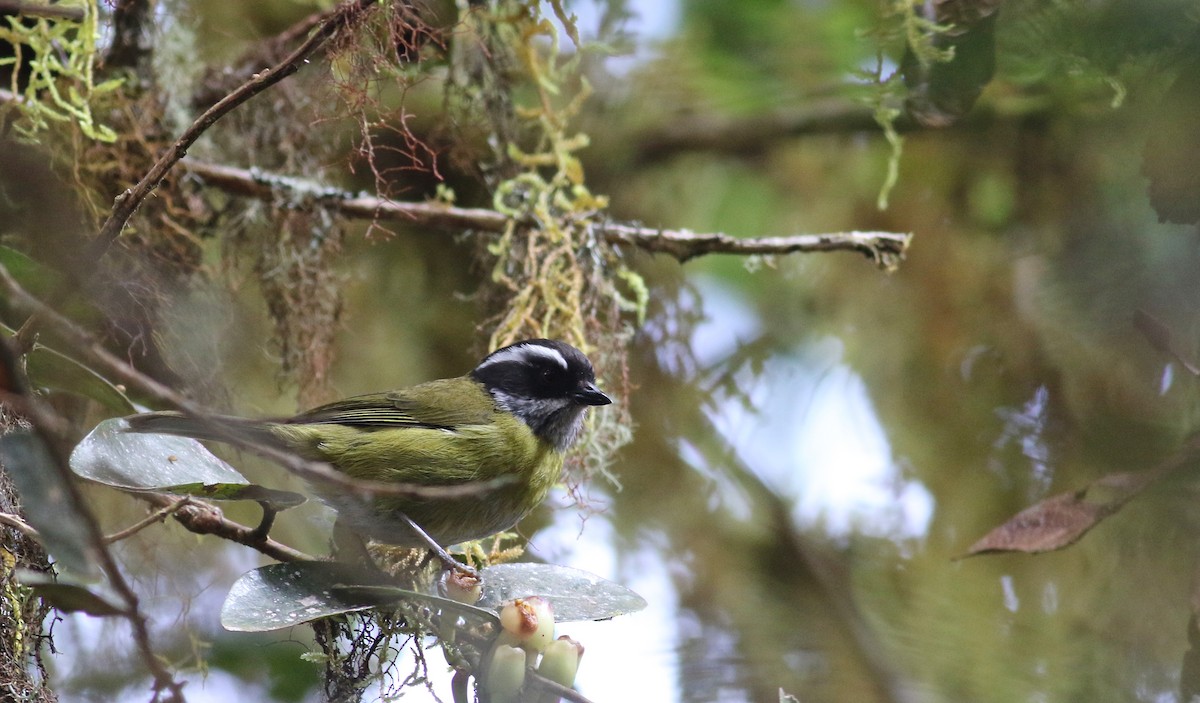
{"points": [[221, 428]]}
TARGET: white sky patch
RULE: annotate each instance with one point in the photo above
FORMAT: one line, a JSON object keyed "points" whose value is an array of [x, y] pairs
{"points": [[810, 431], [848, 478]]}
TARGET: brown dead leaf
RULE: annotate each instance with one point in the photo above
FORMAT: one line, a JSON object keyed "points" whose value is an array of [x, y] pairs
{"points": [[1061, 520]]}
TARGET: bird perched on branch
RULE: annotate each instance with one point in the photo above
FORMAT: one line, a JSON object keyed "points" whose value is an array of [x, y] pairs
{"points": [[509, 421]]}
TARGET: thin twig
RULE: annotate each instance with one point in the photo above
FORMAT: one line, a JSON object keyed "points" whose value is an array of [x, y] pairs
{"points": [[15, 522], [267, 186], [128, 202], [204, 518], [556, 688], [443, 556], [157, 516], [885, 248]]}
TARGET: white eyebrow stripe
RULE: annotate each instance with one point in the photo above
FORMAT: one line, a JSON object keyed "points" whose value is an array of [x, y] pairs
{"points": [[522, 353]]}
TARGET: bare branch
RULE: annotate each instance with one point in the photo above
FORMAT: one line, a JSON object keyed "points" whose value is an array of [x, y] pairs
{"points": [[205, 518], [754, 134], [195, 516], [885, 248]]}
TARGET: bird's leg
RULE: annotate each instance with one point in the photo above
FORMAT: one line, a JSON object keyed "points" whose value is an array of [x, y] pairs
{"points": [[349, 547], [443, 556]]}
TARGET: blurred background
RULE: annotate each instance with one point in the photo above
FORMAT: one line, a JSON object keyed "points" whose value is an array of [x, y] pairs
{"points": [[816, 441]]}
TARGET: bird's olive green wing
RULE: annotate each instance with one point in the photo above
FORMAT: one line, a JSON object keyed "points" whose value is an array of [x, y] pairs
{"points": [[444, 404]]}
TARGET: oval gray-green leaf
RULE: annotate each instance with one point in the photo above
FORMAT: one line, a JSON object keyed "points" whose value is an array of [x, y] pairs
{"points": [[385, 596], [48, 504], [282, 595], [167, 464], [70, 596], [48, 368], [34, 277], [574, 594], [279, 596]]}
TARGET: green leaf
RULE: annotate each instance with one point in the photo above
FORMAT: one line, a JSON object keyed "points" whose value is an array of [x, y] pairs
{"points": [[39, 280], [573, 593], [47, 503], [166, 464], [70, 596], [48, 368], [278, 596], [279, 500]]}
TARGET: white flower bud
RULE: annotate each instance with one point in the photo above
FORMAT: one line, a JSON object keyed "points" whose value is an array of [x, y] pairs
{"points": [[560, 661], [505, 674]]}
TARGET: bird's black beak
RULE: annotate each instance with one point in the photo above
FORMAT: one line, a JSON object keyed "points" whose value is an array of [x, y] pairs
{"points": [[589, 394]]}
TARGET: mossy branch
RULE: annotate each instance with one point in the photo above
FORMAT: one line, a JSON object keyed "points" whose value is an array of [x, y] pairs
{"points": [[887, 249]]}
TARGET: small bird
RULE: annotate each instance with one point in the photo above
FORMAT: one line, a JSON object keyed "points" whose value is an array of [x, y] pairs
{"points": [[514, 416]]}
